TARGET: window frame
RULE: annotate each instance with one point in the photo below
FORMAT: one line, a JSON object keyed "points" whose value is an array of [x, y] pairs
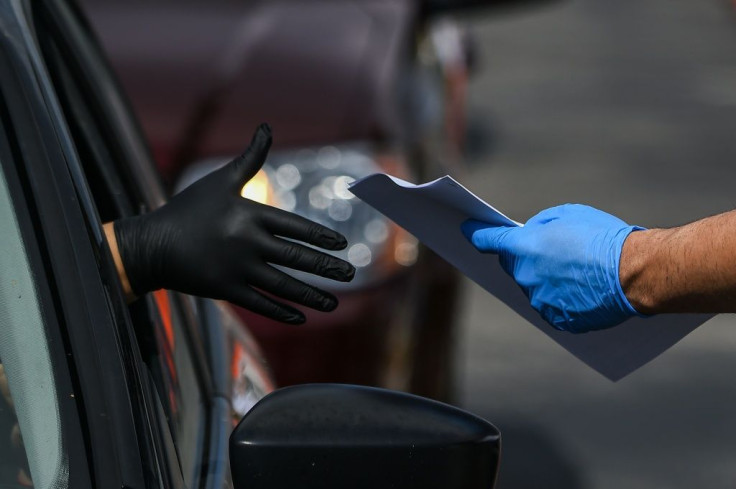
{"points": [[111, 439], [131, 161], [72, 437]]}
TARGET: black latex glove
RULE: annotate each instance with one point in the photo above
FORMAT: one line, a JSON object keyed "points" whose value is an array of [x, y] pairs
{"points": [[211, 242]]}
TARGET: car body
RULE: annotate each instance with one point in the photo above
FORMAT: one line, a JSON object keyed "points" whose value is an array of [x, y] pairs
{"points": [[105, 395], [350, 88], [95, 392]]}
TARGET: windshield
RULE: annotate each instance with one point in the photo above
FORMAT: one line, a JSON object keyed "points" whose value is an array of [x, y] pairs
{"points": [[31, 452]]}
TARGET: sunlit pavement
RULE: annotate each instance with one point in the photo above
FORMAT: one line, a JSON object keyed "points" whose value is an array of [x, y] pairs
{"points": [[630, 106]]}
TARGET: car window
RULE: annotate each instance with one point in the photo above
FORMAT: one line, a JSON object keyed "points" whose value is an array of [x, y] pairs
{"points": [[31, 447], [160, 327], [182, 399]]}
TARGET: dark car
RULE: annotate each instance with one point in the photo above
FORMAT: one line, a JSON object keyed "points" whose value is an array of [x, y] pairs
{"points": [[351, 88], [98, 393], [94, 387]]}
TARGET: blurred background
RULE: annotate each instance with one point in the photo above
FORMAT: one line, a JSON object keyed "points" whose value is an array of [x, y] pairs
{"points": [[625, 105], [629, 106]]}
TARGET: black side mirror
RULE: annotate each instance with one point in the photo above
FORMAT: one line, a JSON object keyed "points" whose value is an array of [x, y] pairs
{"points": [[341, 436], [433, 7]]}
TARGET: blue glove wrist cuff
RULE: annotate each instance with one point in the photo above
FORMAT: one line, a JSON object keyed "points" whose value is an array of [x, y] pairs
{"points": [[622, 296]]}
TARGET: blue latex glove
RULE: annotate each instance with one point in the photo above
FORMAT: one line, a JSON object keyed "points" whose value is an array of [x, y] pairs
{"points": [[566, 260]]}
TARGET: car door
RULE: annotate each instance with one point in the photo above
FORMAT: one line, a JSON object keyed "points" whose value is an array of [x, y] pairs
{"points": [[114, 163], [42, 428], [159, 386], [104, 437], [206, 368]]}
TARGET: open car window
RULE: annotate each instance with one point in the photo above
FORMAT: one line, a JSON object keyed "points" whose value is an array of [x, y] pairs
{"points": [[159, 322]]}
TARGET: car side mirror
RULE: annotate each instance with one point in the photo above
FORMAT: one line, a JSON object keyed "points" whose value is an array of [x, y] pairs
{"points": [[434, 7], [338, 436]]}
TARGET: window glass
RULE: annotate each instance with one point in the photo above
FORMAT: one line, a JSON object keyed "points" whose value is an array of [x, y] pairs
{"points": [[159, 326], [177, 384], [30, 441]]}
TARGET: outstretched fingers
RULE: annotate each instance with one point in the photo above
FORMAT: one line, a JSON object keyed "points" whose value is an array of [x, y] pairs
{"points": [[305, 259], [292, 226], [286, 287], [249, 298]]}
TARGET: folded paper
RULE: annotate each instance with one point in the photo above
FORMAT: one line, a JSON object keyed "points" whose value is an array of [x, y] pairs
{"points": [[433, 213]]}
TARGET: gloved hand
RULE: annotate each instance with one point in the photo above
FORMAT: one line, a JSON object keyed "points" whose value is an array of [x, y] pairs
{"points": [[209, 241], [566, 260]]}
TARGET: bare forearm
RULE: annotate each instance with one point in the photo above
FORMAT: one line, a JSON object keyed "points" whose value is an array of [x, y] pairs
{"points": [[691, 268]]}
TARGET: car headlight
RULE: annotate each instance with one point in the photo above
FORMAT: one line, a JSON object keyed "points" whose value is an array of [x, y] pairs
{"points": [[314, 183]]}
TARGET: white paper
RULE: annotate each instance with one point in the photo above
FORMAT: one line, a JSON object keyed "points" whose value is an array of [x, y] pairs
{"points": [[433, 213]]}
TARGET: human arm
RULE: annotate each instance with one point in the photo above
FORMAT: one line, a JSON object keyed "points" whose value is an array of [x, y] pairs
{"points": [[583, 269], [211, 242], [691, 268], [112, 243]]}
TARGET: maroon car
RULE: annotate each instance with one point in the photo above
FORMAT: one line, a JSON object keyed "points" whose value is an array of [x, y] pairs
{"points": [[350, 88]]}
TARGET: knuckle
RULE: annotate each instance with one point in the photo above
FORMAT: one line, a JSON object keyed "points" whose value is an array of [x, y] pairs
{"points": [[239, 228], [307, 295], [322, 262], [230, 232], [315, 233]]}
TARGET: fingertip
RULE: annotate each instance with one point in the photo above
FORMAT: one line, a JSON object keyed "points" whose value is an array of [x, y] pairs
{"points": [[490, 238], [340, 270], [265, 128], [332, 240], [330, 303], [295, 320], [246, 166], [260, 142], [350, 273], [290, 315], [341, 242], [262, 138], [471, 226]]}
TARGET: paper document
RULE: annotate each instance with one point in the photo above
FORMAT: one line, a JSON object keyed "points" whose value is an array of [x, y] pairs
{"points": [[433, 213]]}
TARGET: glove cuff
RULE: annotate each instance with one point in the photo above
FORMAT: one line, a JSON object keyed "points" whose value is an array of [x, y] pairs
{"points": [[623, 300], [138, 259]]}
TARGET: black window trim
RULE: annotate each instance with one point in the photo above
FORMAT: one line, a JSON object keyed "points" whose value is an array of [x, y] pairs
{"points": [[73, 439], [69, 24], [106, 387]]}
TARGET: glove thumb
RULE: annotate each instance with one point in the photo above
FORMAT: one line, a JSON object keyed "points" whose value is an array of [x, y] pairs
{"points": [[245, 166], [486, 237]]}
